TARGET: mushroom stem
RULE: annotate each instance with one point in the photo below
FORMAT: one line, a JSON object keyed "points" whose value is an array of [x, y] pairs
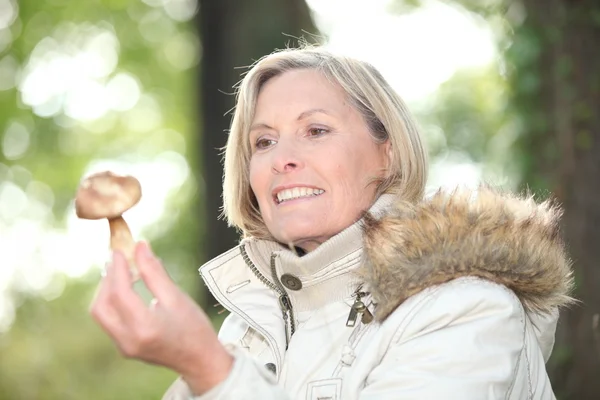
{"points": [[122, 240]]}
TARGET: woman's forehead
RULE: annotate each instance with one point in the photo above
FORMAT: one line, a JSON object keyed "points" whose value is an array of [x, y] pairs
{"points": [[303, 93]]}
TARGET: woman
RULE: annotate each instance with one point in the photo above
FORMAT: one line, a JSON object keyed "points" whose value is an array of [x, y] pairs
{"points": [[347, 283]]}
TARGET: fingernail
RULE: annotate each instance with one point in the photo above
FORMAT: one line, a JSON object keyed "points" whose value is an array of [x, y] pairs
{"points": [[146, 250]]}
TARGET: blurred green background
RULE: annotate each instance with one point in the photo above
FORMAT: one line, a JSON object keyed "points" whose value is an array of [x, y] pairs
{"points": [[507, 92]]}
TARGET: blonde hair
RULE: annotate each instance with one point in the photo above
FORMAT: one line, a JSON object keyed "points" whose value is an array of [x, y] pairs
{"points": [[384, 112]]}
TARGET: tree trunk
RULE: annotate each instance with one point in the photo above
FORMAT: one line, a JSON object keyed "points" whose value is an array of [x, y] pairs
{"points": [[234, 34], [562, 138]]}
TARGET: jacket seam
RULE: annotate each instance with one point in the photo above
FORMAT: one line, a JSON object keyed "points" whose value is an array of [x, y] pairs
{"points": [[530, 391], [356, 260], [212, 263], [351, 254], [411, 315], [521, 354]]}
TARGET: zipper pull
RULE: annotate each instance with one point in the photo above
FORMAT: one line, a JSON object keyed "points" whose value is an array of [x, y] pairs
{"points": [[352, 316], [284, 304], [367, 317], [359, 308]]}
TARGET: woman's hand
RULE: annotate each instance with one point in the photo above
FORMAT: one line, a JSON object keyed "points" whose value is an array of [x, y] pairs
{"points": [[172, 331]]}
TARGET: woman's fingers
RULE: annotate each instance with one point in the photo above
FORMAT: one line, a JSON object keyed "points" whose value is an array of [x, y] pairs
{"points": [[121, 312], [154, 274], [162, 332], [102, 309], [128, 303], [117, 306]]}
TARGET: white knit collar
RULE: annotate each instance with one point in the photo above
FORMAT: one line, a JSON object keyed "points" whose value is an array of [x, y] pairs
{"points": [[326, 273]]}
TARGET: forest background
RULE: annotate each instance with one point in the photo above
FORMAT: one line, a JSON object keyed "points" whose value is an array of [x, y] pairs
{"points": [[507, 92]]}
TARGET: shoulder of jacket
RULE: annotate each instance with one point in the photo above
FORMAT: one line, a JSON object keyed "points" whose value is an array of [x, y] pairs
{"points": [[466, 299]]}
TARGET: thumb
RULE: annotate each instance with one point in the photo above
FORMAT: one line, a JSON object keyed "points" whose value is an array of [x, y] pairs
{"points": [[152, 272]]}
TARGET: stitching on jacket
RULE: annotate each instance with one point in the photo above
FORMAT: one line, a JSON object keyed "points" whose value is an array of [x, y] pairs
{"points": [[350, 263], [210, 267], [351, 254], [331, 383], [231, 252], [521, 354], [248, 320], [242, 314], [464, 280], [530, 384], [237, 286], [411, 314]]}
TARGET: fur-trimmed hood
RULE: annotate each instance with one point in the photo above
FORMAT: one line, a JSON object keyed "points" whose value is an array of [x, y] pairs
{"points": [[506, 239]]}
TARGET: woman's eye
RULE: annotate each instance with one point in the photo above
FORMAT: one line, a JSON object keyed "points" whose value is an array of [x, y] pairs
{"points": [[317, 131], [264, 143]]}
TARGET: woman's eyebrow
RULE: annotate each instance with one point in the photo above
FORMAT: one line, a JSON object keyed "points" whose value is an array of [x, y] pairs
{"points": [[303, 115], [259, 125], [312, 111]]}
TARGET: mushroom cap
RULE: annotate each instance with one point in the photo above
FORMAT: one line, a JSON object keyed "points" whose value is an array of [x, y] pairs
{"points": [[106, 195]]}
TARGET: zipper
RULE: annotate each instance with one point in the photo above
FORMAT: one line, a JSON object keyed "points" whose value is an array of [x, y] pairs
{"points": [[284, 299], [359, 308]]}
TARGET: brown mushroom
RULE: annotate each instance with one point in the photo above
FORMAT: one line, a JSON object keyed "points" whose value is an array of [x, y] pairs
{"points": [[107, 195]]}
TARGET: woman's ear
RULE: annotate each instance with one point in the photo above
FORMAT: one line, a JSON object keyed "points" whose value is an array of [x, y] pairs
{"points": [[389, 155]]}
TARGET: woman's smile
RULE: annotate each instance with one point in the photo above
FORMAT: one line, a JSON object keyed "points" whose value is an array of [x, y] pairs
{"points": [[296, 193]]}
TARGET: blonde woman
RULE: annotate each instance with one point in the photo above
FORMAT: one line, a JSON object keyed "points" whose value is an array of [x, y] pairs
{"points": [[347, 283]]}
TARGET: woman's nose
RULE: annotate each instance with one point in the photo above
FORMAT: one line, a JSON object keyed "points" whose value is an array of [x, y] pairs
{"points": [[286, 158]]}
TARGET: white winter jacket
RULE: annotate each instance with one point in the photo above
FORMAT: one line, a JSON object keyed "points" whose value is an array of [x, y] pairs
{"points": [[464, 292]]}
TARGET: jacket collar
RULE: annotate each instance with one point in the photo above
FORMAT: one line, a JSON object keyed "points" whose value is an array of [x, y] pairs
{"points": [[327, 273]]}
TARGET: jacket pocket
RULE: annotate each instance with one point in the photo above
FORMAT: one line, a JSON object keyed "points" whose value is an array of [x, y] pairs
{"points": [[325, 389]]}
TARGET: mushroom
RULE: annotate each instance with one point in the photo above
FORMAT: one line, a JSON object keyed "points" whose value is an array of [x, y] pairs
{"points": [[107, 195]]}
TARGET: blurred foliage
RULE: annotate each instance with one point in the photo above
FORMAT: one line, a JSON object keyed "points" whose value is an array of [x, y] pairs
{"points": [[470, 118], [466, 120], [487, 9], [87, 86]]}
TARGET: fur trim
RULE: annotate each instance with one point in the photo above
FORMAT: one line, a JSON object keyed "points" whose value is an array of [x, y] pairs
{"points": [[505, 239]]}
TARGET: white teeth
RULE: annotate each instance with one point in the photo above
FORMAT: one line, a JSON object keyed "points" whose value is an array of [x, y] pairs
{"points": [[297, 192]]}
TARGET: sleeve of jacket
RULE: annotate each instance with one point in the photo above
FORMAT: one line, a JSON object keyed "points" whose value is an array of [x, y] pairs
{"points": [[460, 340], [247, 380]]}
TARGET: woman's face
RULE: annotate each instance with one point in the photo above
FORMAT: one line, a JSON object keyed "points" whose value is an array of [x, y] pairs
{"points": [[313, 159]]}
